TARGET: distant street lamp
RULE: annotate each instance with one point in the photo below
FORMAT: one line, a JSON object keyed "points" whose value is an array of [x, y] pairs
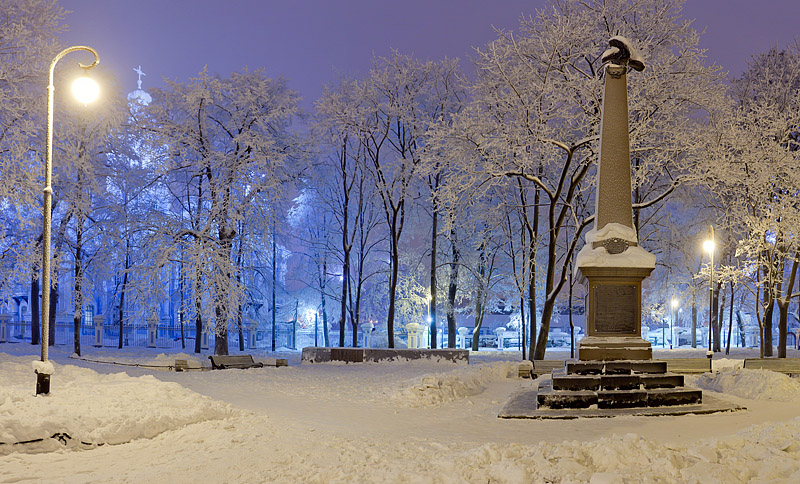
{"points": [[709, 246], [675, 304], [86, 91]]}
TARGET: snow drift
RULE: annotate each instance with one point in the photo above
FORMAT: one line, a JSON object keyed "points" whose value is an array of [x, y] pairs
{"points": [[438, 388], [94, 409]]}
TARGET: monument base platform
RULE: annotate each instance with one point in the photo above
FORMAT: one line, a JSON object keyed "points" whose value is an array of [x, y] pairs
{"points": [[610, 388], [600, 348], [525, 405]]}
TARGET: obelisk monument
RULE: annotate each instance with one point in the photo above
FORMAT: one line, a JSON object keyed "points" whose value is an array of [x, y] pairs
{"points": [[612, 263]]}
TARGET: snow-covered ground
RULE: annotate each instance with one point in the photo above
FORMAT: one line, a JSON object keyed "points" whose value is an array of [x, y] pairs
{"points": [[414, 422]]}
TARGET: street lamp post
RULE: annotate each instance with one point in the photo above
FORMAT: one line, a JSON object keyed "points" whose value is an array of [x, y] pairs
{"points": [[85, 90], [709, 245]]}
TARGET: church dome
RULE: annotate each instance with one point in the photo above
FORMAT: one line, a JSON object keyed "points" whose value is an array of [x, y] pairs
{"points": [[139, 96]]}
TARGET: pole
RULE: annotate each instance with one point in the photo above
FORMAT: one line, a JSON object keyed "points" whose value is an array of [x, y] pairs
{"points": [[274, 268], [710, 353], [671, 326], [43, 379]]}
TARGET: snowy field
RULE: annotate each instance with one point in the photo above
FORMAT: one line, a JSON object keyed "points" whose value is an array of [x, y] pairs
{"points": [[414, 422]]}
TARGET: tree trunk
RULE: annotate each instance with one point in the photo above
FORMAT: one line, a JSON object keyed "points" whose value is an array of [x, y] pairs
{"points": [[198, 310], [694, 322], [523, 339], [432, 300], [532, 274], [452, 288], [740, 325], [767, 324], [571, 322], [730, 323], [783, 325], [78, 286], [51, 315], [122, 295], [719, 302], [240, 308], [479, 298], [275, 284], [34, 298], [221, 306], [346, 248], [395, 259], [182, 309]]}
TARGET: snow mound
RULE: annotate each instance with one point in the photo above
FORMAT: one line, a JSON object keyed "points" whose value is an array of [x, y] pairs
{"points": [[93, 409], [169, 360], [751, 384], [438, 388], [763, 453]]}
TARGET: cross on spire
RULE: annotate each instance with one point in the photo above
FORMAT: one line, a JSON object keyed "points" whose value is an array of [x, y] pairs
{"points": [[141, 73]]}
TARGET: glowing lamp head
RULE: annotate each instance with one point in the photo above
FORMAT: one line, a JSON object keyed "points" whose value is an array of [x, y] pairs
{"points": [[85, 89], [708, 246], [675, 303]]}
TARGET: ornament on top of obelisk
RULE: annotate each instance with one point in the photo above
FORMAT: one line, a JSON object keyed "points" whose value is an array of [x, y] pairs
{"points": [[612, 262]]}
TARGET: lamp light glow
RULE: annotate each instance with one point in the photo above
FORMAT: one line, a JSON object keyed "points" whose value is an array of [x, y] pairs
{"points": [[675, 303], [709, 246], [85, 89]]}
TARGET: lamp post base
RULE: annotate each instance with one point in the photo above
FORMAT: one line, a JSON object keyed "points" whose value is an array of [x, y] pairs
{"points": [[42, 383]]}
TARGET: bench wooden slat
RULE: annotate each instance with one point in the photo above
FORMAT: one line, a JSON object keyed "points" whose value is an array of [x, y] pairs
{"points": [[688, 365], [223, 362], [541, 367], [790, 366]]}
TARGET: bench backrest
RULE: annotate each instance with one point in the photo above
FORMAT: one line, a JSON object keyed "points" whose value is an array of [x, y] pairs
{"points": [[231, 361], [688, 365], [782, 365], [541, 367]]}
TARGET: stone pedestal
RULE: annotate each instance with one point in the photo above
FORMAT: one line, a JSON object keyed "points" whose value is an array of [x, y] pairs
{"points": [[4, 319], [152, 332], [461, 342], [614, 314], [366, 332], [250, 336], [500, 331], [99, 319], [204, 338], [414, 333]]}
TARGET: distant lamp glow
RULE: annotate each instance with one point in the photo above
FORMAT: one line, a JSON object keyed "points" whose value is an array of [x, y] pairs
{"points": [[675, 303], [709, 246], [85, 89]]}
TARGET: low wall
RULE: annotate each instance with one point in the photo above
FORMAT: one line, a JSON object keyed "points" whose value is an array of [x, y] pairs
{"points": [[316, 354]]}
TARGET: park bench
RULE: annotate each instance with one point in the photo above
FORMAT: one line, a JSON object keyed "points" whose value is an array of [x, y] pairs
{"points": [[224, 362], [688, 365], [542, 367], [789, 366], [181, 365]]}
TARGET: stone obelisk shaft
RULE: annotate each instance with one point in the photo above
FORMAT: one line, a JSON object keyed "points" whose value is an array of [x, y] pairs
{"points": [[613, 197]]}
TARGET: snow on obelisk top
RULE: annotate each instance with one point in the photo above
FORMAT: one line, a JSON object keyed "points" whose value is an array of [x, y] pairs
{"points": [[613, 241]]}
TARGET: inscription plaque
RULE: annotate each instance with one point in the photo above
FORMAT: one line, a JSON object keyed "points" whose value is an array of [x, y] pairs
{"points": [[615, 309]]}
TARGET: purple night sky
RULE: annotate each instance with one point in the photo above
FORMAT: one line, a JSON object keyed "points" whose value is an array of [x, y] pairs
{"points": [[310, 42]]}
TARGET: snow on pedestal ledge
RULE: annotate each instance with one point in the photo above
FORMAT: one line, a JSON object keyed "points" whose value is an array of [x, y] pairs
{"points": [[634, 256], [43, 367]]}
